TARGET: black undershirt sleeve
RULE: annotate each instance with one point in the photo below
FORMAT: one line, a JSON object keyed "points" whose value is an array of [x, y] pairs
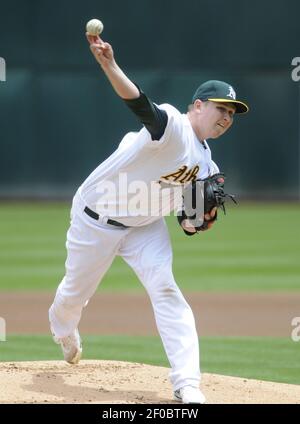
{"points": [[153, 118]]}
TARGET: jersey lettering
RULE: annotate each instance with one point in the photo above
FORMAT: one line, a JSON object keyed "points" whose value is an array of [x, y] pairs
{"points": [[182, 175]]}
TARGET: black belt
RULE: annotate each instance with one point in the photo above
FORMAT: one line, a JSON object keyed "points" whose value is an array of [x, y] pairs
{"points": [[95, 216]]}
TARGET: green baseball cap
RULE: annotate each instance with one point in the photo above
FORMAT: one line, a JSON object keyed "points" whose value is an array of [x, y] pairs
{"points": [[219, 91]]}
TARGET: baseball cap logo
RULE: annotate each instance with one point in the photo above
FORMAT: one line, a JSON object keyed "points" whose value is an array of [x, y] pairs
{"points": [[231, 93]]}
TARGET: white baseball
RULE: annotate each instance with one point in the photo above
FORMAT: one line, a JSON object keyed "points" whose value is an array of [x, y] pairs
{"points": [[94, 27]]}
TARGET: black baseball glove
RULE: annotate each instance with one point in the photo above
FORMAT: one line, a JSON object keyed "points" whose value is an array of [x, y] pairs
{"points": [[199, 200]]}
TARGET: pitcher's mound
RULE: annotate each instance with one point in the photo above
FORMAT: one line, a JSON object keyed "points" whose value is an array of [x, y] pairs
{"points": [[123, 382]]}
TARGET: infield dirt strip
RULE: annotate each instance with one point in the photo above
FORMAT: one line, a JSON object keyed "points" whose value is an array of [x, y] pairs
{"points": [[216, 314]]}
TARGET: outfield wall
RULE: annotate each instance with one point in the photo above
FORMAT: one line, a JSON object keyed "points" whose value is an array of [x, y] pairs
{"points": [[60, 118]]}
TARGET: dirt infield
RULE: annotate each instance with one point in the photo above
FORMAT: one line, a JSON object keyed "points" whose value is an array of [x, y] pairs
{"points": [[109, 382], [216, 314]]}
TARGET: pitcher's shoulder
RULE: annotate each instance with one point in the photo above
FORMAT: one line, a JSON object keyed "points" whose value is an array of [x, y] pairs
{"points": [[170, 109]]}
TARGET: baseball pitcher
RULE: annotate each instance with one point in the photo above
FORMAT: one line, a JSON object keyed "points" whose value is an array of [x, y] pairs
{"points": [[109, 218]]}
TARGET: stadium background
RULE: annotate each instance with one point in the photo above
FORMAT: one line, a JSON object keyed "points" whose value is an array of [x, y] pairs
{"points": [[66, 119], [59, 119]]}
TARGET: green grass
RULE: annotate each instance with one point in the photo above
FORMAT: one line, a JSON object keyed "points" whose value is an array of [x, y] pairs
{"points": [[272, 359], [254, 247]]}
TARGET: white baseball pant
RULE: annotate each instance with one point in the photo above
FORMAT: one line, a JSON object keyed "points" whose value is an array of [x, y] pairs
{"points": [[91, 248]]}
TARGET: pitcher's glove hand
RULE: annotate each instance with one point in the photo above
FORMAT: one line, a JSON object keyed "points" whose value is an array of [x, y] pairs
{"points": [[212, 192]]}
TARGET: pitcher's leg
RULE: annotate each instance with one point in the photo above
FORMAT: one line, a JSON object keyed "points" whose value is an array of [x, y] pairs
{"points": [[176, 325], [90, 251], [148, 251]]}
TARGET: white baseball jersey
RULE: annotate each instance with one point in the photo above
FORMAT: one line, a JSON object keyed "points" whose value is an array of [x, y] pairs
{"points": [[143, 179]]}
